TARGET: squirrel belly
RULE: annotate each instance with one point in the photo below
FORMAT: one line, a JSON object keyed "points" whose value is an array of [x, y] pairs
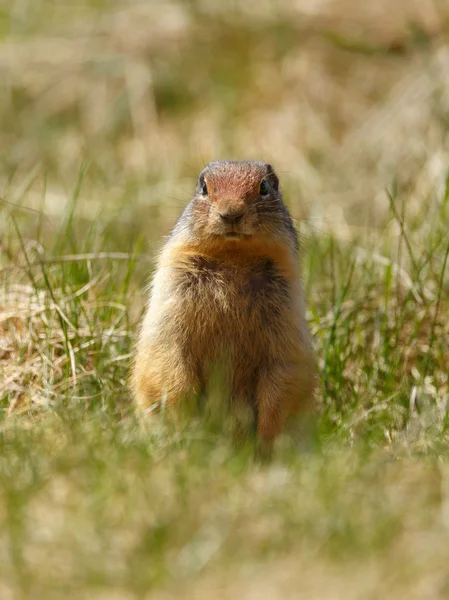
{"points": [[234, 299]]}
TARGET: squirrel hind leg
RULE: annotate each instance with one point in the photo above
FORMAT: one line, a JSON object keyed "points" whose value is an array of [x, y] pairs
{"points": [[283, 393], [161, 381]]}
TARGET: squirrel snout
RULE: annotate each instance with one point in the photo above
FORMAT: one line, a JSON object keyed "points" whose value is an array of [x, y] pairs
{"points": [[232, 216], [231, 212]]}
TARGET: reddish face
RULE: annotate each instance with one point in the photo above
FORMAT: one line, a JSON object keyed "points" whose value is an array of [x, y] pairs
{"points": [[236, 199]]}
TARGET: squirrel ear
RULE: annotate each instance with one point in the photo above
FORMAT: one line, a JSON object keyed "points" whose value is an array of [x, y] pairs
{"points": [[272, 177]]}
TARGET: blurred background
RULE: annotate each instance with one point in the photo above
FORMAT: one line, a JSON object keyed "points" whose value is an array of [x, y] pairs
{"points": [[343, 97]]}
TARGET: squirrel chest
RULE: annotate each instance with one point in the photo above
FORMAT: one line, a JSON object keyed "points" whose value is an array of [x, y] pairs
{"points": [[233, 307]]}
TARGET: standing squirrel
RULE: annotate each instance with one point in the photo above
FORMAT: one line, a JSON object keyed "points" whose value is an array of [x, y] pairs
{"points": [[227, 288]]}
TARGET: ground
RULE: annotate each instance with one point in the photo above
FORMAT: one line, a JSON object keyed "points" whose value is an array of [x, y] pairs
{"points": [[108, 111]]}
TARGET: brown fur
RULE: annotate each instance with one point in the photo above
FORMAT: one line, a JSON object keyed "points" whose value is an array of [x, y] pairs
{"points": [[230, 291]]}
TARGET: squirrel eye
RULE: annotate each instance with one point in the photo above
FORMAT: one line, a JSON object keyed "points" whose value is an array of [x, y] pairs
{"points": [[204, 188], [263, 188]]}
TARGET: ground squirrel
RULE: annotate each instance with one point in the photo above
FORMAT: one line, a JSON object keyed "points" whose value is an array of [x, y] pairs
{"points": [[227, 287]]}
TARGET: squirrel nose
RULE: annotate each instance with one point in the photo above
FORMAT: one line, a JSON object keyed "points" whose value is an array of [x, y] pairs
{"points": [[231, 217]]}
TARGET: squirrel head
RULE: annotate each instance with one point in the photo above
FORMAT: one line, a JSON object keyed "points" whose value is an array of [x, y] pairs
{"points": [[236, 201]]}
